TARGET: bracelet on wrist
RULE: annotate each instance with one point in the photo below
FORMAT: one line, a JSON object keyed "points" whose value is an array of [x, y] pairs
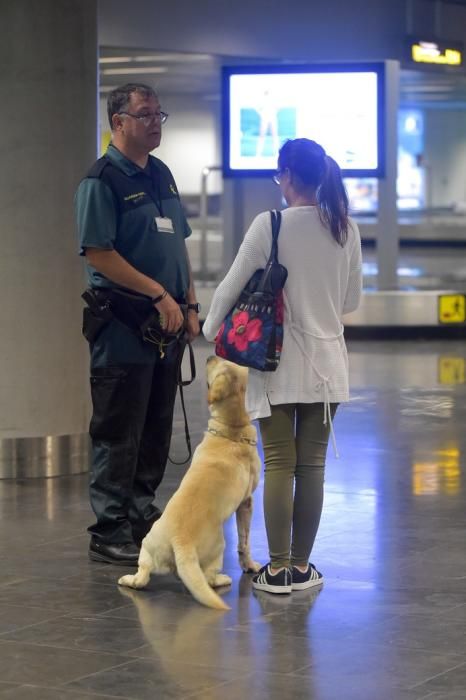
{"points": [[155, 300]]}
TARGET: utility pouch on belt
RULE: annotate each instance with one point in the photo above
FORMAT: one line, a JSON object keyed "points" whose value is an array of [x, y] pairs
{"points": [[152, 332], [96, 314], [135, 311]]}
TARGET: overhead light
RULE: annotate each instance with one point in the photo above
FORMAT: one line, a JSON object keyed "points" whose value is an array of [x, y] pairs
{"points": [[133, 71], [115, 59], [172, 57]]}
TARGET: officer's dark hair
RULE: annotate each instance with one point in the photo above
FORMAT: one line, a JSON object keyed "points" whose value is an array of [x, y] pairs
{"points": [[118, 99], [310, 166]]}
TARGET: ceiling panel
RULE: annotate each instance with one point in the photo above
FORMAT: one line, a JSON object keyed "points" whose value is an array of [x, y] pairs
{"points": [[189, 73]]}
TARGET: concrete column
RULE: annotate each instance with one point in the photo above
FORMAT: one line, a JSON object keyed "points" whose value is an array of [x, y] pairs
{"points": [[48, 139]]}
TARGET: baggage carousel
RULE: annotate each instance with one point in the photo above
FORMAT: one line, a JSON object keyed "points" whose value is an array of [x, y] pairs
{"points": [[382, 315]]}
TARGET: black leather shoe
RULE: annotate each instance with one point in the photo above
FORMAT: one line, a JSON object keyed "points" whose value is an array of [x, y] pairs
{"points": [[120, 554]]}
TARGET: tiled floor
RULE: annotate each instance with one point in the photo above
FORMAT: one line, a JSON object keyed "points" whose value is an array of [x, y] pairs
{"points": [[389, 623]]}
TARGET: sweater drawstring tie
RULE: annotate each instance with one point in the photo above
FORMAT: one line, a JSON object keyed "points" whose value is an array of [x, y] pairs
{"points": [[297, 332]]}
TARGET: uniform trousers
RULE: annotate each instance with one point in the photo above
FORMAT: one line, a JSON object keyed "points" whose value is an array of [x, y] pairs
{"points": [[130, 429]]}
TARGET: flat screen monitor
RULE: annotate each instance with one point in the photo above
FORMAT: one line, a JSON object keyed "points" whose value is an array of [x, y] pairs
{"points": [[341, 106]]}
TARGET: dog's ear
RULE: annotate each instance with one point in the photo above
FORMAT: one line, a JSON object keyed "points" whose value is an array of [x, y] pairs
{"points": [[220, 388]]}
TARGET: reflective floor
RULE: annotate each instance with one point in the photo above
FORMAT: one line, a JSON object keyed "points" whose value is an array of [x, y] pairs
{"points": [[389, 623]]}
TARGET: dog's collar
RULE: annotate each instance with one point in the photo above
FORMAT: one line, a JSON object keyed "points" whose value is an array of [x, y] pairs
{"points": [[219, 433]]}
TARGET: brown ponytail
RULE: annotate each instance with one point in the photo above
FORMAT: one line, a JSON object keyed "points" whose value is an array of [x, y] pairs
{"points": [[332, 202], [309, 164]]}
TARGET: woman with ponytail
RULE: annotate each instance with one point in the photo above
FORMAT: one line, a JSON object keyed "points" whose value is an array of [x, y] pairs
{"points": [[320, 246]]}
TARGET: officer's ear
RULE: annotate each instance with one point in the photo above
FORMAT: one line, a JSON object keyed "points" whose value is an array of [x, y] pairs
{"points": [[117, 122]]}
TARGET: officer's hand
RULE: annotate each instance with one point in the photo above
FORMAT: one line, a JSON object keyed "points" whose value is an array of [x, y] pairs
{"points": [[192, 324], [171, 315]]}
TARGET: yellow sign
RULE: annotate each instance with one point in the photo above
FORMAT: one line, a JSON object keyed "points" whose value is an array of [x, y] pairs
{"points": [[452, 308], [451, 370], [429, 52], [105, 138]]}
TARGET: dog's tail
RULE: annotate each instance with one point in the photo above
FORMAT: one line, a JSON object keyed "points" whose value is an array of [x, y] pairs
{"points": [[190, 572]]}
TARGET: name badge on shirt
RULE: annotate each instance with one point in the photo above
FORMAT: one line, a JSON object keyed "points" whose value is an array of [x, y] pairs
{"points": [[164, 224]]}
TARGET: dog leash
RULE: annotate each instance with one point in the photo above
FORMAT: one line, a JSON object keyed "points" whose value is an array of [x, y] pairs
{"points": [[185, 342]]}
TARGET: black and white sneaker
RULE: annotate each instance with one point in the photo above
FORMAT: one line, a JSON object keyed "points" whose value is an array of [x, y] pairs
{"points": [[300, 580], [272, 583]]}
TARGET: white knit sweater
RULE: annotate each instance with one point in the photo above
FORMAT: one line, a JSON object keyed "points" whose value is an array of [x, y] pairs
{"points": [[324, 282]]}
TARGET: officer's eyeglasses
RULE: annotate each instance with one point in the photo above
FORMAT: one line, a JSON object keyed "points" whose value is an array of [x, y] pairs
{"points": [[147, 118], [277, 177]]}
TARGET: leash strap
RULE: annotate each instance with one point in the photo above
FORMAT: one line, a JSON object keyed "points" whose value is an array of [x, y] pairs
{"points": [[183, 344]]}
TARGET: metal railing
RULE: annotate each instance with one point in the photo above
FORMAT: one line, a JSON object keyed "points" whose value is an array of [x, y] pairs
{"points": [[203, 216]]}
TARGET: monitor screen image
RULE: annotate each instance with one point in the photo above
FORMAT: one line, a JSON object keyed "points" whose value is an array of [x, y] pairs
{"points": [[339, 106]]}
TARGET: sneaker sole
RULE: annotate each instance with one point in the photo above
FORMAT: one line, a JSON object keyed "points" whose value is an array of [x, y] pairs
{"points": [[306, 584], [94, 556], [280, 590]]}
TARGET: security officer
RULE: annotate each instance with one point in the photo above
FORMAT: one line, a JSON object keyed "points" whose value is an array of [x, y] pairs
{"points": [[132, 232]]}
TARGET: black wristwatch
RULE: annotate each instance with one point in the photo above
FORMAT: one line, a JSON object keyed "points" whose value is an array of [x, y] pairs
{"points": [[194, 307]]}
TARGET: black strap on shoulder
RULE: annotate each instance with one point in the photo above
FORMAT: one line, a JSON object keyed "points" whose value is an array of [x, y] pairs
{"points": [[97, 171], [274, 275], [98, 167], [276, 219]]}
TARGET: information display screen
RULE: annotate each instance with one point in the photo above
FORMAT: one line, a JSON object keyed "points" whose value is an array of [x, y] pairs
{"points": [[340, 106]]}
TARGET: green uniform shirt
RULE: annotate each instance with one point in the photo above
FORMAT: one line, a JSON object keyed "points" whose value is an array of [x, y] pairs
{"points": [[121, 208]]}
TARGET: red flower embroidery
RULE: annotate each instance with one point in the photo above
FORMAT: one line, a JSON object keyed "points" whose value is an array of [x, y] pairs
{"points": [[244, 331]]}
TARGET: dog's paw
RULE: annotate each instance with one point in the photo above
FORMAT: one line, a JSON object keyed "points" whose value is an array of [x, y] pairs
{"points": [[250, 566], [127, 580], [221, 580]]}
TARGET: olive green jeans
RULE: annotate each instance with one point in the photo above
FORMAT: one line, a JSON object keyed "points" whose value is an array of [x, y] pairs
{"points": [[295, 446]]}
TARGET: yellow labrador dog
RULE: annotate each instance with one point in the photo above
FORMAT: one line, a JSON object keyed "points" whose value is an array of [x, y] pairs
{"points": [[188, 538]]}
